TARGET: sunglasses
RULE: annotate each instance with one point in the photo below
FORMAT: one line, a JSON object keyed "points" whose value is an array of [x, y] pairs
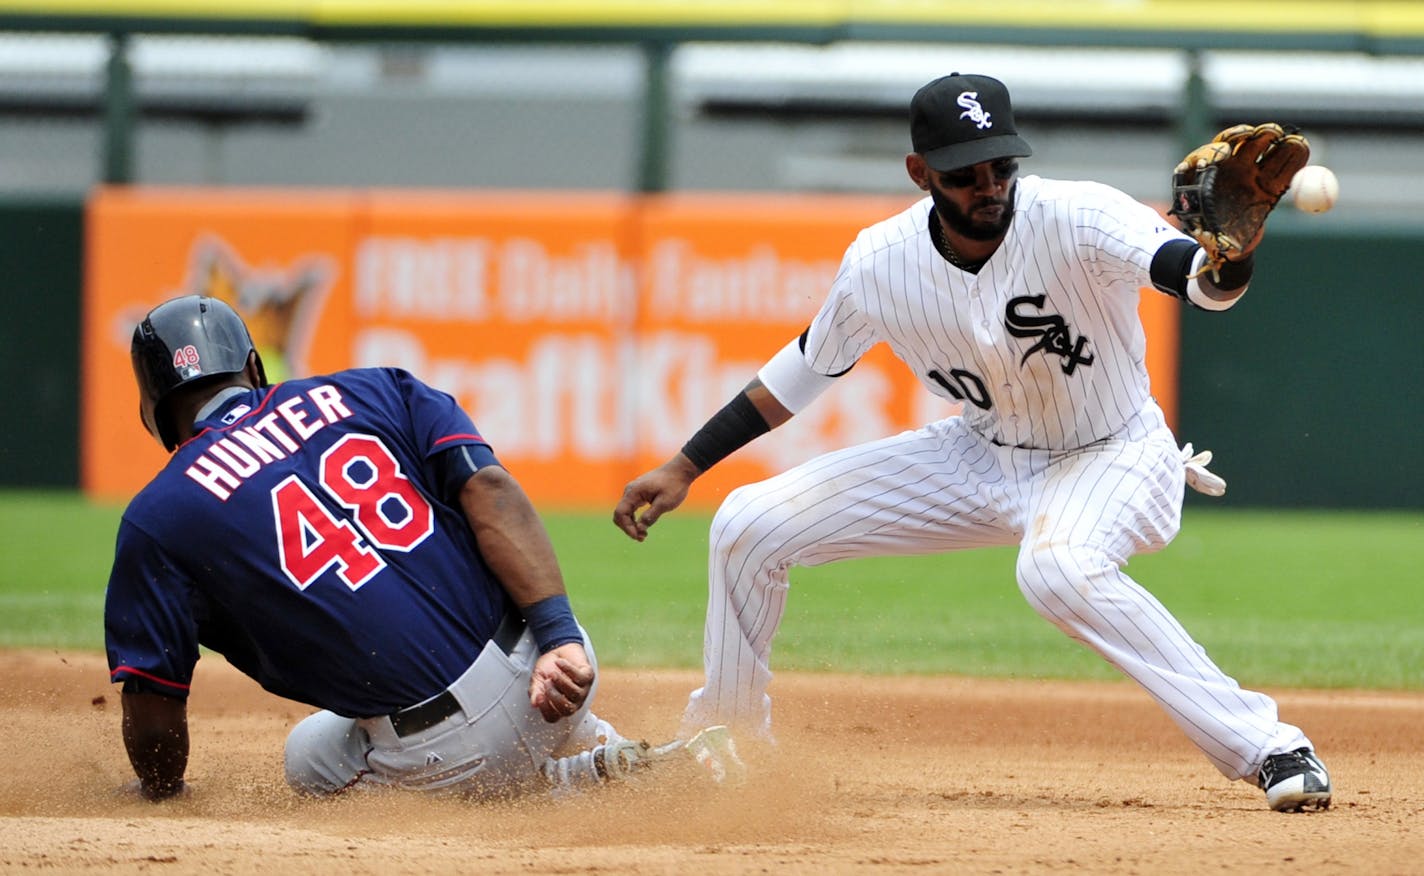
{"points": [[1003, 170]]}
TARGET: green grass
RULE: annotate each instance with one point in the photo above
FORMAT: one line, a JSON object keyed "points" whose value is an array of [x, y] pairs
{"points": [[56, 551], [1283, 598], [1316, 599]]}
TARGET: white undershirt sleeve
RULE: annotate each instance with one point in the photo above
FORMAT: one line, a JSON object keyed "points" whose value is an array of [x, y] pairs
{"points": [[790, 380], [1198, 296]]}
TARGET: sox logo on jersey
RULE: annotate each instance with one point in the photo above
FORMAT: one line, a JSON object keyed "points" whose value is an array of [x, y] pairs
{"points": [[1056, 337]]}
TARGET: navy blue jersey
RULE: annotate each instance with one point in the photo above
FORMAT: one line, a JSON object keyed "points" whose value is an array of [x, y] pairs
{"points": [[301, 533]]}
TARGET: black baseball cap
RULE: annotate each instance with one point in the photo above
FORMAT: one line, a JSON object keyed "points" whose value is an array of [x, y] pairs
{"points": [[959, 120]]}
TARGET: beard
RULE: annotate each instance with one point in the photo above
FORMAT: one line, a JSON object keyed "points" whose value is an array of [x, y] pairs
{"points": [[961, 222]]}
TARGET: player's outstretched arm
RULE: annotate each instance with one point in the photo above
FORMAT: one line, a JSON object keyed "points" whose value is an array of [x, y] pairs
{"points": [[1178, 269], [155, 729], [753, 412], [517, 548], [511, 536], [1222, 194]]}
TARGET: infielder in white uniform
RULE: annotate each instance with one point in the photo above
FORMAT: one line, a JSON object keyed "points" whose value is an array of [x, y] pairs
{"points": [[1016, 296]]}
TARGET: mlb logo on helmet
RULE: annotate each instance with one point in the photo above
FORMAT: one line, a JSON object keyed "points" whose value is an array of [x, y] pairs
{"points": [[959, 120]]}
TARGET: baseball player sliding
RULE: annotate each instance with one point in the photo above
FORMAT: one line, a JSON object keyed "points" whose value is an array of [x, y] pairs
{"points": [[1016, 296], [350, 541]]}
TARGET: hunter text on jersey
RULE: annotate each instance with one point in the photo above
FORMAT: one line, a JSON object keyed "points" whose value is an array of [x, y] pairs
{"points": [[223, 467]]}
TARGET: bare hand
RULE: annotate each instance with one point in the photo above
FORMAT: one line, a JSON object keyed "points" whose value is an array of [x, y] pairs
{"points": [[562, 680], [657, 492]]}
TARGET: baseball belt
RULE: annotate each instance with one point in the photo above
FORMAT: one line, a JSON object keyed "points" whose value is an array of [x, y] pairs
{"points": [[443, 705]]}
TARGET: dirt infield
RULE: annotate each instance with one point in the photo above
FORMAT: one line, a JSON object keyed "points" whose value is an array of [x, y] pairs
{"points": [[923, 775]]}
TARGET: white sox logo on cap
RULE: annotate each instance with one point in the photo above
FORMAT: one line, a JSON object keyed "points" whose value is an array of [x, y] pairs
{"points": [[973, 111], [963, 119]]}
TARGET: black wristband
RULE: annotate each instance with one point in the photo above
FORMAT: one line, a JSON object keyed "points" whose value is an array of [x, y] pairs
{"points": [[1170, 266], [729, 429], [1234, 275]]}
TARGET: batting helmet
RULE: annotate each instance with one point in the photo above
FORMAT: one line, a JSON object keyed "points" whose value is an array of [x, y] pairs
{"points": [[182, 342]]}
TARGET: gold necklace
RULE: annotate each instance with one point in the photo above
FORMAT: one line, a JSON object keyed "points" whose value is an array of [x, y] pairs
{"points": [[942, 244]]}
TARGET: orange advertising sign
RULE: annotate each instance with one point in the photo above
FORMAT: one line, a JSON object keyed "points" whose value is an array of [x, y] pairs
{"points": [[728, 281], [277, 258], [520, 306], [588, 336]]}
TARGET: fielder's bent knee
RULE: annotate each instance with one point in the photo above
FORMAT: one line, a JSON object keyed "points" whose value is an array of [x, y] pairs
{"points": [[748, 512], [1059, 571]]}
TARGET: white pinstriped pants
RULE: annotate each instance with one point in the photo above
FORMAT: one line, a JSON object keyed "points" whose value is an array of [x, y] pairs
{"points": [[1077, 517]]}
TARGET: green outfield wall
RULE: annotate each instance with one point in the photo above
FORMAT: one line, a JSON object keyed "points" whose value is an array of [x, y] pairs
{"points": [[41, 268], [1310, 391]]}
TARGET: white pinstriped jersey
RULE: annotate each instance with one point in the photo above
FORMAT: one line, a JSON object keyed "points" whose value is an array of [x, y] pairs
{"points": [[1044, 345]]}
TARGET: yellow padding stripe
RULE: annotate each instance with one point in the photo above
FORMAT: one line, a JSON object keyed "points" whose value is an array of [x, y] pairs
{"points": [[1370, 18]]}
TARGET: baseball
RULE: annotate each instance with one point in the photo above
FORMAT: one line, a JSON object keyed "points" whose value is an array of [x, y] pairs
{"points": [[1314, 189]]}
